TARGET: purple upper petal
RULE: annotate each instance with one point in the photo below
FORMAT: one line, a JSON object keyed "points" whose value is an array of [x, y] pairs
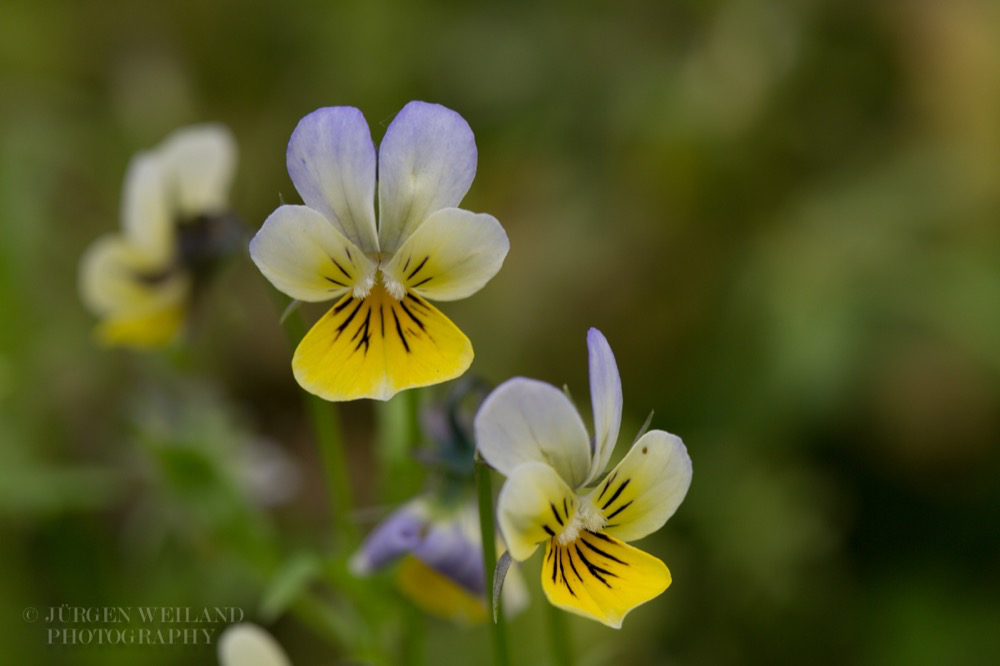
{"points": [[606, 399], [426, 162], [331, 161]]}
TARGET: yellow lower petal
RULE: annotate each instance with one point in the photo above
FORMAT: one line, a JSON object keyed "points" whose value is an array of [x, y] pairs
{"points": [[146, 331], [437, 594], [377, 346], [602, 578]]}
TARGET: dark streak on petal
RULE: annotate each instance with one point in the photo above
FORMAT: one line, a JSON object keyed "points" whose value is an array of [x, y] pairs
{"points": [[572, 566], [594, 570], [601, 536], [562, 573], [366, 335], [340, 329], [556, 514], [607, 484], [602, 553], [412, 316], [617, 493], [619, 509], [341, 268], [343, 305], [417, 269], [418, 302], [399, 330]]}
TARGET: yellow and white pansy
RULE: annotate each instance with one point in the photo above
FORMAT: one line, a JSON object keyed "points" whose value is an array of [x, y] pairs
{"points": [[246, 644], [382, 335], [531, 433], [139, 281]]}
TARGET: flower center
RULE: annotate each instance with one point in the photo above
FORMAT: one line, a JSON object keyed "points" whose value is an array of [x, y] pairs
{"points": [[587, 517], [364, 284]]}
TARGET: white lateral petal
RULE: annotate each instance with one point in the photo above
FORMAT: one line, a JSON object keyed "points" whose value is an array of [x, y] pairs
{"points": [[304, 256], [331, 161], [118, 278], [605, 398], [524, 420], [198, 165], [426, 162], [147, 217], [645, 488], [451, 255], [247, 644], [534, 505]]}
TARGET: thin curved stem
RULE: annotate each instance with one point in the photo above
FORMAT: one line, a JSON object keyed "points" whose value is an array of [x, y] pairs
{"points": [[486, 530]]}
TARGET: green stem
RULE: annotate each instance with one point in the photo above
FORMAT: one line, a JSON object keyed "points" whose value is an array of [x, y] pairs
{"points": [[560, 637], [498, 628], [414, 633], [397, 434], [326, 426]]}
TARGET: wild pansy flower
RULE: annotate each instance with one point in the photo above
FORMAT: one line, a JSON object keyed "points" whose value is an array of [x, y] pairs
{"points": [[530, 432], [435, 537], [439, 548], [175, 222], [246, 644], [382, 335]]}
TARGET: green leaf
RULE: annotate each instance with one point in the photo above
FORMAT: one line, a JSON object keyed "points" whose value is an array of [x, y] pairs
{"points": [[498, 578]]}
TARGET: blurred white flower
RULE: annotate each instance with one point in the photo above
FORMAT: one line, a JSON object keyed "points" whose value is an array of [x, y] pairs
{"points": [[139, 281], [246, 644]]}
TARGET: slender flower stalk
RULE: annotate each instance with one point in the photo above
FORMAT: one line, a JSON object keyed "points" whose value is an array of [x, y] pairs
{"points": [[325, 422], [559, 640], [499, 627]]}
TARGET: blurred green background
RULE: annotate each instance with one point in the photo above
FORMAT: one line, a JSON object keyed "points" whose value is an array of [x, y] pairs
{"points": [[784, 217]]}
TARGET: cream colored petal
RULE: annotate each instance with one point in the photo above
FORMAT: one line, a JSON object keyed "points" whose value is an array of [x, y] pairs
{"points": [[247, 644], [450, 256], [116, 278], [198, 167], [525, 420], [606, 400], [147, 215], [534, 504], [304, 256], [645, 488], [426, 162]]}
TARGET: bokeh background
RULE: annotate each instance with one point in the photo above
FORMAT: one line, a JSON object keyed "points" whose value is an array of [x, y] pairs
{"points": [[784, 217]]}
